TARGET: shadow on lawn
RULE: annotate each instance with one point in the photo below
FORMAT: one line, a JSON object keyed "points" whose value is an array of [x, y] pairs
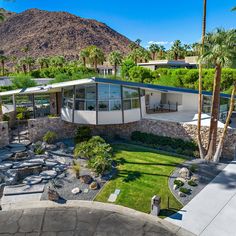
{"points": [[170, 212]]}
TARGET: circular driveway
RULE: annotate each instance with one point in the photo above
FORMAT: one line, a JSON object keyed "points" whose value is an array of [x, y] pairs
{"points": [[81, 221]]}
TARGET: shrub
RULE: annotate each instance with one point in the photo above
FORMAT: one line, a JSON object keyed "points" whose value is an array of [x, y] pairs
{"points": [[52, 115], [76, 169], [22, 113], [185, 190], [83, 133], [39, 150], [101, 163], [192, 183], [179, 183], [178, 145], [6, 117], [193, 168], [50, 137]]}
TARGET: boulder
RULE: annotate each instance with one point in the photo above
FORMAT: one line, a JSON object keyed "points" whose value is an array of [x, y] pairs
{"points": [[5, 166], [181, 194], [194, 178], [18, 149], [53, 195], [94, 185], [51, 147], [184, 173], [87, 179], [21, 156], [5, 154], [76, 190], [175, 187]]}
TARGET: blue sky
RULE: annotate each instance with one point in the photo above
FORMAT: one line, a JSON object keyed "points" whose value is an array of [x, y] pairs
{"points": [[153, 20]]}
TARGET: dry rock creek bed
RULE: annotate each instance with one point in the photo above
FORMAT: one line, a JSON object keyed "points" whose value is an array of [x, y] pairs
{"points": [[20, 165], [196, 171]]}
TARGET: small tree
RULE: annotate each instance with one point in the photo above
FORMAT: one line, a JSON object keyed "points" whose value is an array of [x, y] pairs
{"points": [[23, 81], [115, 59], [127, 64]]}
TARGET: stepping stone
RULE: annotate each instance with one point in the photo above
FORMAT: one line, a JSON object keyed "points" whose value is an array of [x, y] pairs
{"points": [[48, 174], [39, 161], [18, 149], [15, 145], [117, 192], [50, 164], [26, 164], [33, 179], [6, 165], [23, 189], [5, 154], [112, 198]]}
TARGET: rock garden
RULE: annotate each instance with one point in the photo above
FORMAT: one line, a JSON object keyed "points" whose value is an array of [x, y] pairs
{"points": [[191, 177], [67, 169]]}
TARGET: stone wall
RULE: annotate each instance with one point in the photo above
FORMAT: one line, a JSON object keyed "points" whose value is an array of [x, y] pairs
{"points": [[38, 127], [4, 134]]}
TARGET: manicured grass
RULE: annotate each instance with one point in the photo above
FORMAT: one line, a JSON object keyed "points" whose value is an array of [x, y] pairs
{"points": [[142, 173]]}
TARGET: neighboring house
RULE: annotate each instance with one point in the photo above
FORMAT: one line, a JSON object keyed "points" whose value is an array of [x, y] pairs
{"points": [[6, 81], [188, 63], [108, 70], [100, 101]]}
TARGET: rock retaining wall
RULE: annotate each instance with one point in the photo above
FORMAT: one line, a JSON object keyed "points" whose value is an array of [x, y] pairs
{"points": [[4, 134], [38, 127]]}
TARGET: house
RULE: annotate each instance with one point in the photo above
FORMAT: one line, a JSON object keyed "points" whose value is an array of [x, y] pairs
{"points": [[100, 101], [188, 63]]}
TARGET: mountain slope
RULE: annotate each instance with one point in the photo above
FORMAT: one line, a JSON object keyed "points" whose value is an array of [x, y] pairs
{"points": [[56, 33]]}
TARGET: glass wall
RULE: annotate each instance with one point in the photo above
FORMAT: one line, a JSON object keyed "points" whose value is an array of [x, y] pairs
{"points": [[68, 97], [109, 97], [42, 105], [130, 98], [85, 98]]}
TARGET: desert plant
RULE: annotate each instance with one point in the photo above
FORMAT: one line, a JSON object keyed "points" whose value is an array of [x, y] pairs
{"points": [[83, 133], [50, 137], [179, 183], [185, 190], [76, 169], [192, 183]]}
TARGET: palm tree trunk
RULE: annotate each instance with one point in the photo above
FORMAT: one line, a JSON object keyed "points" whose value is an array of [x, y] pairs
{"points": [[217, 155], [96, 64], [3, 68], [24, 69], [84, 61], [199, 138], [214, 114], [153, 55], [1, 113], [115, 68]]}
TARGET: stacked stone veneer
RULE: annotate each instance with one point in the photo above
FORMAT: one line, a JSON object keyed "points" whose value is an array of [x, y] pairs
{"points": [[38, 127], [4, 134]]}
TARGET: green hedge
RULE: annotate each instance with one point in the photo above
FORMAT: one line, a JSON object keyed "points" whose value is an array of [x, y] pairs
{"points": [[179, 146]]}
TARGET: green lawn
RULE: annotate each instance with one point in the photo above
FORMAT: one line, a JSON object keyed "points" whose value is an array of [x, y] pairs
{"points": [[142, 173]]}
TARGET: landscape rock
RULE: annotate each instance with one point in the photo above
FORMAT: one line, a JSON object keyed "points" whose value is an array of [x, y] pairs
{"points": [[175, 187], [94, 185], [48, 174], [33, 179], [53, 195], [5, 154], [181, 194], [87, 179], [184, 173], [76, 190], [5, 166]]}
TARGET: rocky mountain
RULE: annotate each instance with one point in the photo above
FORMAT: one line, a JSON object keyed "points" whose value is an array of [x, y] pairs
{"points": [[6, 13], [56, 33]]}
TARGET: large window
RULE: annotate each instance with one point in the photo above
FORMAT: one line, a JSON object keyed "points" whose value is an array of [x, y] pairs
{"points": [[109, 97], [85, 98], [130, 98], [68, 98]]}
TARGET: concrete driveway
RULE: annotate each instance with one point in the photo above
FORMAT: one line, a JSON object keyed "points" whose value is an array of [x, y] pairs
{"points": [[213, 211], [82, 218]]}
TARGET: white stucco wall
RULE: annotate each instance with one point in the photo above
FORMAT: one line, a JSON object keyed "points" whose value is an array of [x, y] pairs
{"points": [[174, 97], [66, 114], [85, 117], [132, 115], [110, 117], [143, 106], [190, 102], [154, 98]]}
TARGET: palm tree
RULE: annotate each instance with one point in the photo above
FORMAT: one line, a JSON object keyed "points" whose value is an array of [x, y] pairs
{"points": [[233, 9], [200, 146], [23, 65], [43, 62], [3, 59], [219, 50], [154, 49], [145, 55], [57, 61], [29, 62], [161, 51], [115, 58], [218, 152], [2, 16], [96, 56], [13, 59], [84, 54], [177, 49]]}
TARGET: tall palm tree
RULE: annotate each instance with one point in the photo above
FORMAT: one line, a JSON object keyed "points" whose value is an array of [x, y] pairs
{"points": [[3, 59], [135, 55], [219, 50], [57, 61], [84, 55], [115, 58], [43, 62], [96, 56], [199, 138], [29, 62], [161, 51], [145, 55], [177, 49], [218, 152], [154, 49], [23, 64]]}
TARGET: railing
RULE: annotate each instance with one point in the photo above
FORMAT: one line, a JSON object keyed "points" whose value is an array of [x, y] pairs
{"points": [[161, 107]]}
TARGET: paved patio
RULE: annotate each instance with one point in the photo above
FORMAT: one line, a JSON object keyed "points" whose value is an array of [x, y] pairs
{"points": [[212, 211], [81, 218]]}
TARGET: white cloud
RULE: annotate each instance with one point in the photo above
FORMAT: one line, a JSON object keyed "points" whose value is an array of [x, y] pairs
{"points": [[160, 42]]}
